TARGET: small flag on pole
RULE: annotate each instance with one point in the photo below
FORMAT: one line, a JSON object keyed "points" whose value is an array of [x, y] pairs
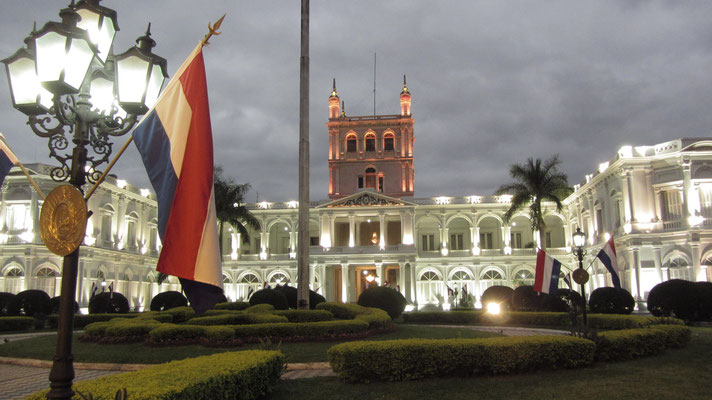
{"points": [[608, 257], [546, 279], [176, 144], [567, 280]]}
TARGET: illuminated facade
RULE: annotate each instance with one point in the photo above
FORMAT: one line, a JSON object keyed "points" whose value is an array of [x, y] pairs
{"points": [[655, 200]]}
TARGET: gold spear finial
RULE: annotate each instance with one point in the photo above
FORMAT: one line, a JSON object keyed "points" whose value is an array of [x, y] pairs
{"points": [[213, 30]]}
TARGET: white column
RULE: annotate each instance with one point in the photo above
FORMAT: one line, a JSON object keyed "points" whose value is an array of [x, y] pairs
{"points": [[352, 229], [658, 261], [345, 283], [382, 229]]}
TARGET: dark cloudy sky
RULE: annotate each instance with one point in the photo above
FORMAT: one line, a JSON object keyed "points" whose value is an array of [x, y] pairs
{"points": [[493, 82]]}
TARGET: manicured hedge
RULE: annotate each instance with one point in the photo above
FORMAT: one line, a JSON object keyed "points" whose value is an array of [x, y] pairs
{"points": [[375, 317], [238, 305], [237, 318], [16, 323], [168, 300], [233, 375], [325, 329], [171, 332], [81, 321], [551, 319], [305, 315], [628, 344], [260, 308], [412, 359]]}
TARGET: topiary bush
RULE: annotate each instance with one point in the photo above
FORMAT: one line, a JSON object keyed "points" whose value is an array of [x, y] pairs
{"points": [[54, 302], [108, 303], [524, 298], [385, 298], [291, 294], [704, 291], [677, 298], [167, 300], [498, 294], [608, 300], [270, 296], [30, 303], [5, 300]]}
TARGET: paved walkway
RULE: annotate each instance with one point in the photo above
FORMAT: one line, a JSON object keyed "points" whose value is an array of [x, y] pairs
{"points": [[21, 377]]}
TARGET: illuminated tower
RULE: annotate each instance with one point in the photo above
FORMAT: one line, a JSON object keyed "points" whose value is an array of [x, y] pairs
{"points": [[370, 152]]}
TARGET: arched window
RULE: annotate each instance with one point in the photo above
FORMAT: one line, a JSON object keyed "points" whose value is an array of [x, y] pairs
{"points": [[429, 287], [388, 142], [47, 280], [13, 280], [279, 279], [371, 178], [351, 144], [679, 268], [491, 277], [248, 284], [463, 280], [370, 142], [523, 277]]}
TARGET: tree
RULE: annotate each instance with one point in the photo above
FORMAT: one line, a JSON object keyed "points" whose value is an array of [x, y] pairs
{"points": [[536, 182], [230, 208]]}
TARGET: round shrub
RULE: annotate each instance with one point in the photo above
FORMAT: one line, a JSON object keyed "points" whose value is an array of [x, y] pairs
{"points": [[498, 294], [554, 302], [54, 302], [608, 300], [167, 300], [291, 294], [674, 298], [524, 298], [704, 290], [385, 298], [30, 303], [270, 296], [5, 300], [108, 303]]}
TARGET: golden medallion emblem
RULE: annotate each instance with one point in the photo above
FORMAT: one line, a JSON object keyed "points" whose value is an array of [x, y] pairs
{"points": [[63, 220], [580, 276]]}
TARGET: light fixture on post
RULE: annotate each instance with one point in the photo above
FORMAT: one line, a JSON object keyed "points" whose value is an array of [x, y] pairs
{"points": [[66, 81], [580, 275]]}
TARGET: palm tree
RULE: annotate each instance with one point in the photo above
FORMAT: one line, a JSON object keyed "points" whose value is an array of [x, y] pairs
{"points": [[536, 182], [230, 208]]}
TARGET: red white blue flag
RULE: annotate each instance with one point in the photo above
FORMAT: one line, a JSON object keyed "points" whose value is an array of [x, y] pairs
{"points": [[608, 257], [176, 144], [7, 160], [546, 279]]}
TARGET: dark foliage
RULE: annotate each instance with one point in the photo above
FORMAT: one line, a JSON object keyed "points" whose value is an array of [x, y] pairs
{"points": [[524, 298], [5, 300], [689, 301], [30, 303], [608, 300], [54, 302], [167, 300], [108, 303], [270, 296], [498, 294], [291, 294], [554, 302], [385, 298], [570, 298]]}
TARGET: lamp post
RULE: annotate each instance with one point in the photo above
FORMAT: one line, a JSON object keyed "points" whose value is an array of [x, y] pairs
{"points": [[73, 89], [580, 275]]}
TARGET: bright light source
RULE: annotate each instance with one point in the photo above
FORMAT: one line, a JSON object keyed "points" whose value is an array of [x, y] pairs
{"points": [[607, 236], [121, 183], [493, 308]]}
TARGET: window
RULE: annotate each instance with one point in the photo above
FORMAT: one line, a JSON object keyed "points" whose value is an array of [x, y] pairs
{"points": [[313, 240], [106, 227], [523, 277], [456, 241], [16, 217], [599, 221], [618, 213], [680, 269], [486, 241], [47, 280], [370, 142], [279, 278], [360, 181], [429, 287], [380, 184], [428, 242], [351, 144], [370, 178], [706, 200], [548, 239], [672, 205], [388, 143], [13, 280], [515, 240]]}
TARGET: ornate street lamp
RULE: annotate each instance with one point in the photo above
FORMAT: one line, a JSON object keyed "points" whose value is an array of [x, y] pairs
{"points": [[67, 82], [580, 275]]}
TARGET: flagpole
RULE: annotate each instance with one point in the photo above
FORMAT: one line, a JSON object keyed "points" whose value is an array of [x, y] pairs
{"points": [[212, 31], [24, 171]]}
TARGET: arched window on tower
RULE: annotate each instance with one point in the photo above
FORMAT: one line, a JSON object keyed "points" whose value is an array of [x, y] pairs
{"points": [[351, 144], [370, 142]]}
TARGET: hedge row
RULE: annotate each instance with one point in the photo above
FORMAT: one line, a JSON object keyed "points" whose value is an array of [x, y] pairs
{"points": [[238, 305], [595, 321], [243, 375], [412, 359], [376, 318], [16, 323], [237, 318], [627, 344]]}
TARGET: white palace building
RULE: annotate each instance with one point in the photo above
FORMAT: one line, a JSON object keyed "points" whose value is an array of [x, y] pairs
{"points": [[655, 200]]}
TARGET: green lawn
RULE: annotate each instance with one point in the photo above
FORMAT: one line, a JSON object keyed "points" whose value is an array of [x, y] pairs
{"points": [[43, 348], [675, 374]]}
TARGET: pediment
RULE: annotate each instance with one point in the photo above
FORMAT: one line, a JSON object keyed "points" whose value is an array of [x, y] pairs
{"points": [[367, 198]]}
